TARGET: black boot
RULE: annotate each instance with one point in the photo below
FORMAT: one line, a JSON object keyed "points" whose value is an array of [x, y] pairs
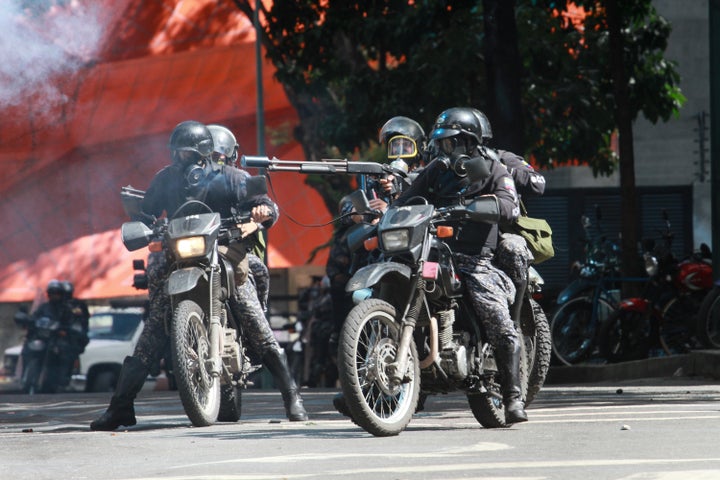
{"points": [[516, 307], [276, 364], [508, 360], [121, 410]]}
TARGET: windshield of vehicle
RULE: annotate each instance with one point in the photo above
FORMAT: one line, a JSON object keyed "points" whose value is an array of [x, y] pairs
{"points": [[113, 326]]}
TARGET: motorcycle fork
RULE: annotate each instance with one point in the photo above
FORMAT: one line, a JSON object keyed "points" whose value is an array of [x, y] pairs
{"points": [[397, 369], [215, 326]]}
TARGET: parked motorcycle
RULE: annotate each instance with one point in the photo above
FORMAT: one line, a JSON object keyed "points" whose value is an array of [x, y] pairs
{"points": [[413, 333], [48, 353], [663, 320], [589, 299], [208, 352]]}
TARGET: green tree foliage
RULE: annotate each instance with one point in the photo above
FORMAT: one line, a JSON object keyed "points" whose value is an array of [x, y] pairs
{"points": [[349, 66], [569, 92]]}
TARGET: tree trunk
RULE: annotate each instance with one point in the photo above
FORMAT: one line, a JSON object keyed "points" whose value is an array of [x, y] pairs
{"points": [[630, 223], [503, 69]]}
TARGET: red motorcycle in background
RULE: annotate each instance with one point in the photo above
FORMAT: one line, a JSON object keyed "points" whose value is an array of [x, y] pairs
{"points": [[662, 321]]}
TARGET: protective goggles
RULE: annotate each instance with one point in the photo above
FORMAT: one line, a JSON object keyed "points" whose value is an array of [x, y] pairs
{"points": [[447, 145], [202, 148], [401, 146]]}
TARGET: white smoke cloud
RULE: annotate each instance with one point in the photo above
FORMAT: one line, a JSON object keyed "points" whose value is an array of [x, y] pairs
{"points": [[42, 40]]}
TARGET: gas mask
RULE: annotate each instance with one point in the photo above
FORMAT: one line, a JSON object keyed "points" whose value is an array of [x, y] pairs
{"points": [[452, 155], [196, 175]]}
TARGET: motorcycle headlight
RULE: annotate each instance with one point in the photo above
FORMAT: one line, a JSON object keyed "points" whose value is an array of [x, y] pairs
{"points": [[393, 240], [651, 265], [189, 247]]}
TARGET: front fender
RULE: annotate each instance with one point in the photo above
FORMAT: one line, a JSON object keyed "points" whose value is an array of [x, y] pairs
{"points": [[371, 274], [184, 280], [574, 289]]}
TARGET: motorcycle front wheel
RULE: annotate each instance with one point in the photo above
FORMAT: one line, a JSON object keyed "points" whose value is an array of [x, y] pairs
{"points": [[677, 332], [368, 345], [31, 376], [199, 389], [708, 319], [573, 330]]}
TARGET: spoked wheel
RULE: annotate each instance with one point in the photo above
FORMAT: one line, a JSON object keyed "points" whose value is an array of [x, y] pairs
{"points": [[573, 330], [542, 351], [708, 319], [626, 336], [367, 349], [199, 389], [676, 334]]}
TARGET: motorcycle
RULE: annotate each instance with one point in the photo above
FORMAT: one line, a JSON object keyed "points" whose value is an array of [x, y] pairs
{"points": [[662, 321], [208, 353], [48, 353], [412, 333], [588, 300]]}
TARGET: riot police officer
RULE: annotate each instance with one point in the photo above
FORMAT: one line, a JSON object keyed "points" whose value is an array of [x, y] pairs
{"points": [[192, 175], [225, 152], [513, 255], [463, 171]]}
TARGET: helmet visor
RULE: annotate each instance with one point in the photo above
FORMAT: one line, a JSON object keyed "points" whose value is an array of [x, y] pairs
{"points": [[448, 145], [401, 146], [205, 147]]}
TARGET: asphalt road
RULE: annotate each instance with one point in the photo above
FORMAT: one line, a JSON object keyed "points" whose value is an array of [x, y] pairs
{"points": [[662, 429]]}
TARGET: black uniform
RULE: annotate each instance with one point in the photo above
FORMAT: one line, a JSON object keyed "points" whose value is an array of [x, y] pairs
{"points": [[490, 289], [222, 188], [513, 255]]}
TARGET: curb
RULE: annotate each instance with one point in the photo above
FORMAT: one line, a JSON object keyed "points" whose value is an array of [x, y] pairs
{"points": [[704, 363]]}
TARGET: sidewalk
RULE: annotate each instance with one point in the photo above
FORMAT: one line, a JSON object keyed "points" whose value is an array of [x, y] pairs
{"points": [[702, 363]]}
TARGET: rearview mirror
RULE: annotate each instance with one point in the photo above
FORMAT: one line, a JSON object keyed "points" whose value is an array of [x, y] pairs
{"points": [[359, 201], [135, 235]]}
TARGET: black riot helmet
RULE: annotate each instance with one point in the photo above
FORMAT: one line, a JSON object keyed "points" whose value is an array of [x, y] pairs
{"points": [[69, 288], [456, 135], [404, 139], [190, 142], [225, 146], [55, 287], [485, 127], [458, 122]]}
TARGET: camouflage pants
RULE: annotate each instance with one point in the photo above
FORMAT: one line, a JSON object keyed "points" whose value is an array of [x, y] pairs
{"points": [[153, 338], [513, 257], [491, 292], [246, 308], [245, 305], [261, 277]]}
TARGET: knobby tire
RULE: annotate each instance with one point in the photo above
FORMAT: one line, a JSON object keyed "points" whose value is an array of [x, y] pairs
{"points": [[199, 390]]}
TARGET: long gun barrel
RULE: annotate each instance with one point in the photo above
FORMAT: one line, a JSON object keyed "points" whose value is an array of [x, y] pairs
{"points": [[329, 166]]}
